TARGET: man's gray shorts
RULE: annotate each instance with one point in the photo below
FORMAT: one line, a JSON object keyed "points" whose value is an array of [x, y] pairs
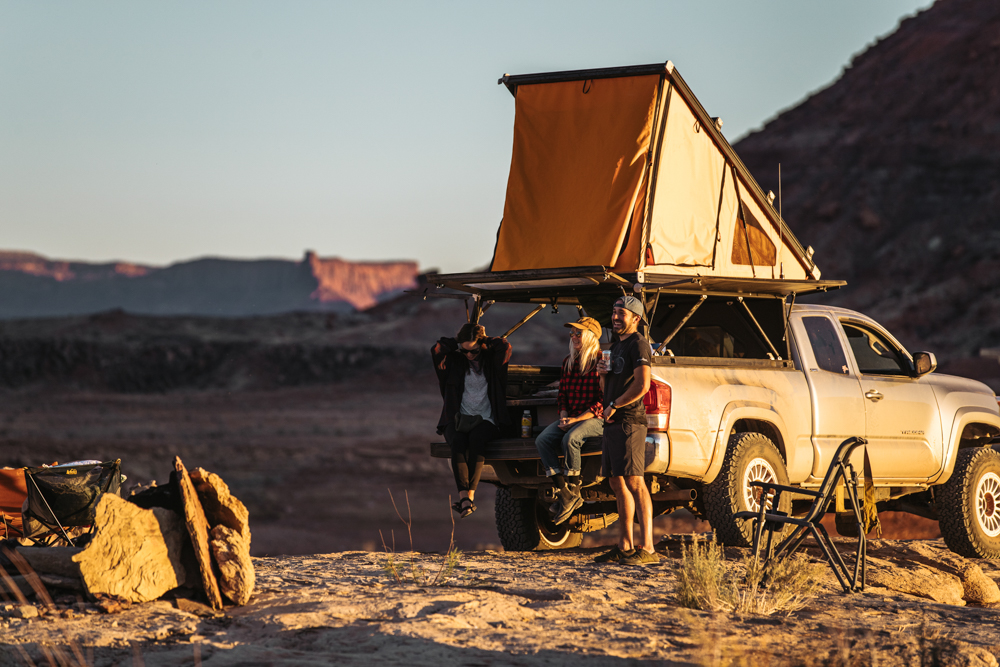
{"points": [[624, 452]]}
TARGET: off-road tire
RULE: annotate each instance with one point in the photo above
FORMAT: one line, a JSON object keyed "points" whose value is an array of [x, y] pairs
{"points": [[726, 495], [523, 524], [964, 519]]}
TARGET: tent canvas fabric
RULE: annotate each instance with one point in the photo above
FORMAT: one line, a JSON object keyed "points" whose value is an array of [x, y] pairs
{"points": [[630, 172], [580, 156]]}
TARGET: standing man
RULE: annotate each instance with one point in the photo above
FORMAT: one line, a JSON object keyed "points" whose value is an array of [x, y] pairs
{"points": [[626, 380]]}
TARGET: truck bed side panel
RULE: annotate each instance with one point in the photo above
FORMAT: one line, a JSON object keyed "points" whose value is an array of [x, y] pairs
{"points": [[708, 400]]}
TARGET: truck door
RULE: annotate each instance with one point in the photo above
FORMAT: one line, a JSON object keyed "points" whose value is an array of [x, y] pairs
{"points": [[903, 423], [838, 410]]}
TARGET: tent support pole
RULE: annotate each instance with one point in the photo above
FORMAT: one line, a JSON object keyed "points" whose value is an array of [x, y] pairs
{"points": [[788, 315], [670, 336], [760, 329], [524, 320], [477, 309]]}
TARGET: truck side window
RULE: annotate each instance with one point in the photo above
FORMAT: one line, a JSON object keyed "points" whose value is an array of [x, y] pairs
{"points": [[875, 355], [826, 345]]}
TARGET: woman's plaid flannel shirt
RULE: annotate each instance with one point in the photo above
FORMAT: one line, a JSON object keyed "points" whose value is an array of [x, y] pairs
{"points": [[580, 392]]}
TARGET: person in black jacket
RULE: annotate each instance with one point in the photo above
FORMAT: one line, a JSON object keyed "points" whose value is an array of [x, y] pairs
{"points": [[472, 374]]}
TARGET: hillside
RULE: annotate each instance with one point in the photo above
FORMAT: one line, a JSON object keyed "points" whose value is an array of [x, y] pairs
{"points": [[892, 174], [121, 351], [34, 286]]}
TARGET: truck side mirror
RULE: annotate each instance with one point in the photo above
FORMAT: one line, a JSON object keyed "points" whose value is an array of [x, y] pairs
{"points": [[924, 363]]}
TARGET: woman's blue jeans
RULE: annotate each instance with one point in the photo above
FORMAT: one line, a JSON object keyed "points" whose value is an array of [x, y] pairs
{"points": [[553, 442]]}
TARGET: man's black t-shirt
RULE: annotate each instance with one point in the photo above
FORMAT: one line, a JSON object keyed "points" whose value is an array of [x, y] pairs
{"points": [[626, 356]]}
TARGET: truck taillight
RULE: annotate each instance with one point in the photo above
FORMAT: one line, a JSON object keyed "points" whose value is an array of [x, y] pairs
{"points": [[657, 403]]}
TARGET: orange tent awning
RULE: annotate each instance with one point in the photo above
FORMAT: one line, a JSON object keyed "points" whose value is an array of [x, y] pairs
{"points": [[581, 150]]}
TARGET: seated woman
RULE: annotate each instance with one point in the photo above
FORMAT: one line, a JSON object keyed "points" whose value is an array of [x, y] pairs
{"points": [[472, 375], [580, 416]]}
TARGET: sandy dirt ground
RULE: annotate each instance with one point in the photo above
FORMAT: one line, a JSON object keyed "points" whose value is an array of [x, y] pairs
{"points": [[554, 608]]}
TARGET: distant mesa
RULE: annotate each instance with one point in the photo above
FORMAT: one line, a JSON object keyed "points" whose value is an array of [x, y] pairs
{"points": [[35, 286]]}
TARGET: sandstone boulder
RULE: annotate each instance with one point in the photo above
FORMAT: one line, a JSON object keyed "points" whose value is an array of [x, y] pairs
{"points": [[221, 506], [197, 528], [232, 555], [979, 588], [135, 554], [916, 580]]}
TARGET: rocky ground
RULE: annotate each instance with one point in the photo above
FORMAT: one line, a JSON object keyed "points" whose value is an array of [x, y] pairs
{"points": [[524, 608]]}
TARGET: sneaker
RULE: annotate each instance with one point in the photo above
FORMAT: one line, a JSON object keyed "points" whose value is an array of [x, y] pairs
{"points": [[614, 556], [641, 557], [569, 501]]}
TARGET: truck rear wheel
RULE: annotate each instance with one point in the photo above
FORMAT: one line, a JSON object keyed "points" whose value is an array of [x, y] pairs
{"points": [[523, 524], [749, 457], [968, 504]]}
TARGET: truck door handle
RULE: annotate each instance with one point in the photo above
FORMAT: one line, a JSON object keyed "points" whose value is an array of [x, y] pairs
{"points": [[874, 395]]}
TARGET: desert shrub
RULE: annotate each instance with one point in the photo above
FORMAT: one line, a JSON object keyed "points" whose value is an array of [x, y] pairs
{"points": [[707, 582], [409, 570]]}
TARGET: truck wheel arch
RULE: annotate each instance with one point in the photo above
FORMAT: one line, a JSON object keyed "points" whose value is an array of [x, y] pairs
{"points": [[750, 417], [968, 421]]}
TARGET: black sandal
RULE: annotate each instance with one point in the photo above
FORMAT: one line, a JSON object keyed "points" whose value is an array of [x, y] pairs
{"points": [[457, 506], [467, 507]]}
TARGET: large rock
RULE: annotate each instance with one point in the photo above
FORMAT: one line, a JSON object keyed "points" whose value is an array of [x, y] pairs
{"points": [[916, 579], [232, 555], [197, 528], [221, 506], [979, 588], [135, 554]]}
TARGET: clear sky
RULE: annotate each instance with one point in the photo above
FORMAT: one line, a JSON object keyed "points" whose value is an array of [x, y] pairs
{"points": [[157, 132]]}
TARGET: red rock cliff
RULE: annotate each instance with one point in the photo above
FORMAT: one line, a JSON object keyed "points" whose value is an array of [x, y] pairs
{"points": [[358, 283]]}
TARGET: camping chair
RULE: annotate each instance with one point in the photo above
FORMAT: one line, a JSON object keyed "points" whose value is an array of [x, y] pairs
{"points": [[774, 521], [12, 497], [66, 496]]}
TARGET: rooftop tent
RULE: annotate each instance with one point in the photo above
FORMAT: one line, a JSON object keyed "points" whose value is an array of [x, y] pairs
{"points": [[623, 168]]}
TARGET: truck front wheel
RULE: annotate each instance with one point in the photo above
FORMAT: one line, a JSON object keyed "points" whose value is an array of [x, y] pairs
{"points": [[750, 457], [523, 524], [968, 504]]}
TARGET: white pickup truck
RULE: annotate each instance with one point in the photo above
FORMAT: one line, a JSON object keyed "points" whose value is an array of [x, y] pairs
{"points": [[753, 388]]}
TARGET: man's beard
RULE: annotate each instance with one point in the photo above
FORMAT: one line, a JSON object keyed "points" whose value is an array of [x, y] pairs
{"points": [[618, 326]]}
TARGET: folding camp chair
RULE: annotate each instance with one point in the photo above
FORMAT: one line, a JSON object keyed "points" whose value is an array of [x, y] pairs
{"points": [[773, 521], [12, 497], [66, 496]]}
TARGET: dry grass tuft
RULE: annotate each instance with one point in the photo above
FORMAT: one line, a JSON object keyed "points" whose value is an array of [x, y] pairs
{"points": [[409, 571], [707, 583]]}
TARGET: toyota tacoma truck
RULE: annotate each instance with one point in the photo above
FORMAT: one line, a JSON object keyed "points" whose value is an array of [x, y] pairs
{"points": [[751, 388]]}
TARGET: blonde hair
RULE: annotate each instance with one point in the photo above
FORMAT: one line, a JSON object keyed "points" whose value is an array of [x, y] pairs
{"points": [[590, 350]]}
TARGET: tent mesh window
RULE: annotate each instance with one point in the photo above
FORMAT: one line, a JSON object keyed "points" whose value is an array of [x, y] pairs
{"points": [[764, 252]]}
